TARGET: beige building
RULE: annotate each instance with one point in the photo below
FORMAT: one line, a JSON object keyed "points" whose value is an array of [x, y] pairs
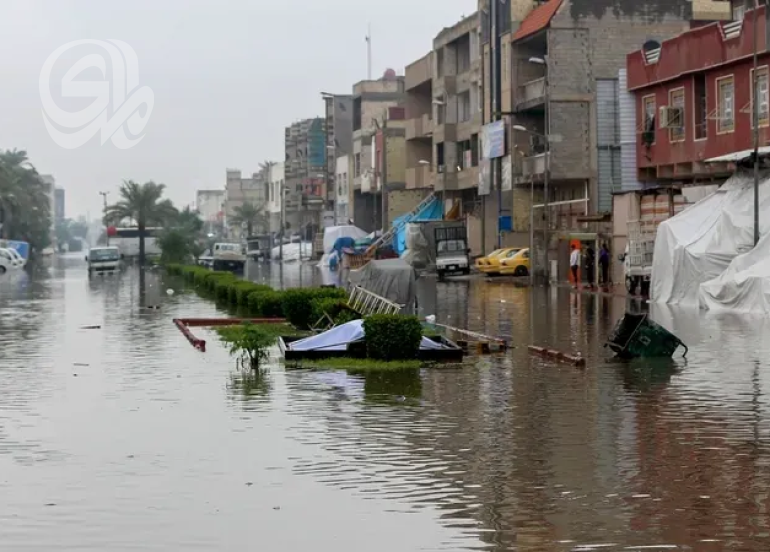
{"points": [[238, 191], [371, 100]]}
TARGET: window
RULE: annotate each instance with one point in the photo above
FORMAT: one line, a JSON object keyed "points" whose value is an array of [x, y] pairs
{"points": [[648, 125], [440, 156], [700, 106], [440, 63], [725, 105], [357, 164], [760, 91], [739, 10], [465, 155], [440, 111], [676, 131], [464, 107]]}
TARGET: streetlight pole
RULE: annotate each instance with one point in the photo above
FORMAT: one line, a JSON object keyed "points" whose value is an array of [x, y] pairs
{"points": [[104, 201], [755, 119]]}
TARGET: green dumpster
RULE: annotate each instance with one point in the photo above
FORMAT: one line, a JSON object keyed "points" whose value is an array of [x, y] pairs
{"points": [[635, 335]]}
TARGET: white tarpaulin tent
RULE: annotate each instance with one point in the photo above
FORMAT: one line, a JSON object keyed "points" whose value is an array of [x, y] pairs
{"points": [[698, 244], [744, 286], [332, 233]]}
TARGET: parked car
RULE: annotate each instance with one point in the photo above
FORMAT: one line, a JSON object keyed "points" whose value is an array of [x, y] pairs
{"points": [[7, 262], [516, 265], [20, 261], [496, 263]]}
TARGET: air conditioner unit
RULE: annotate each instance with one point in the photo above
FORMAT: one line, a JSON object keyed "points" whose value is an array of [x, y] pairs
{"points": [[670, 117]]}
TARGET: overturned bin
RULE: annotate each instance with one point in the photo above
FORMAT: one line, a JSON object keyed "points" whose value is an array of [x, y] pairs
{"points": [[635, 335]]}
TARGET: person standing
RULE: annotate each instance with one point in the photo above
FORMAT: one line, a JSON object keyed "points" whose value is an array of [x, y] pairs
{"points": [[574, 263], [604, 264], [590, 266]]}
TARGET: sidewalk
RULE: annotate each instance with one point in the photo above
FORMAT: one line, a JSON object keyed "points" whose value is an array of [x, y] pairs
{"points": [[613, 290]]}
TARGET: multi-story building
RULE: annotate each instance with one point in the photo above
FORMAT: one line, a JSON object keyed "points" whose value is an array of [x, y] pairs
{"points": [[443, 109], [59, 200], [210, 207], [693, 113], [305, 173], [342, 179], [339, 142], [239, 191], [371, 99], [276, 192], [50, 189]]}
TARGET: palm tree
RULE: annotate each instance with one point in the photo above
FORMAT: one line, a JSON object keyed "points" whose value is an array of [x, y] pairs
{"points": [[25, 201], [141, 203], [248, 214]]}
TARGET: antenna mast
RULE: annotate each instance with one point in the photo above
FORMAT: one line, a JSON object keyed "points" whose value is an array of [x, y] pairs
{"points": [[369, 51]]}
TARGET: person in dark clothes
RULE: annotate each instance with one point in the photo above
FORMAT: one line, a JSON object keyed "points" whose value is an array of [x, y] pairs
{"points": [[590, 266], [604, 264]]}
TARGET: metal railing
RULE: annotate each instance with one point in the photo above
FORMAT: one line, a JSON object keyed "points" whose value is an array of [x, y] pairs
{"points": [[366, 303]]}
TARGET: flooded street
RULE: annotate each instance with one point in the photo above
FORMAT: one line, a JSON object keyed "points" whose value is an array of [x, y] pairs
{"points": [[124, 437]]}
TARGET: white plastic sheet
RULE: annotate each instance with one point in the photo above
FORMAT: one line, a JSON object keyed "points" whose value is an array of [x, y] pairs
{"points": [[333, 233], [338, 338], [698, 244]]}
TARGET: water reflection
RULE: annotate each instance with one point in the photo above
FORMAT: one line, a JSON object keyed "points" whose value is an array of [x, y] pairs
{"points": [[506, 452]]}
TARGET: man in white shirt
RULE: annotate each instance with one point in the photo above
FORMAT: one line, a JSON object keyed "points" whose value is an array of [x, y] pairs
{"points": [[574, 263]]}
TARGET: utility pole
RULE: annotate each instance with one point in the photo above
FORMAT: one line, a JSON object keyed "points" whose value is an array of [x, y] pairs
{"points": [[755, 119], [497, 93], [283, 223], [547, 169], [104, 200], [384, 173]]}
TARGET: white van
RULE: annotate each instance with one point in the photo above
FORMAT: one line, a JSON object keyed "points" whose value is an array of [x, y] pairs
{"points": [[103, 260]]}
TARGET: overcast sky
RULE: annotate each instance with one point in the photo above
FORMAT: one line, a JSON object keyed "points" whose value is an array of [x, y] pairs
{"points": [[227, 76]]}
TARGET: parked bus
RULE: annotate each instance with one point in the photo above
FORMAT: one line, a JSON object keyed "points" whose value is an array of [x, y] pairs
{"points": [[127, 241]]}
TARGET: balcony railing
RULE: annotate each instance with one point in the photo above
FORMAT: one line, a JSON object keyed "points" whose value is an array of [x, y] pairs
{"points": [[531, 93], [419, 127], [419, 177], [534, 165]]}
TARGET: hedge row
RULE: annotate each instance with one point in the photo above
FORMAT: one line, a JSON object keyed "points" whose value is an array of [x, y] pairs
{"points": [[299, 306]]}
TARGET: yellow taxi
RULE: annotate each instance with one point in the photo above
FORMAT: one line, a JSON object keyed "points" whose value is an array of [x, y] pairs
{"points": [[516, 265], [483, 261], [495, 263]]}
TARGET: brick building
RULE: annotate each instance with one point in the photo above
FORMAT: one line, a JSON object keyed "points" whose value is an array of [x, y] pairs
{"points": [[694, 111]]}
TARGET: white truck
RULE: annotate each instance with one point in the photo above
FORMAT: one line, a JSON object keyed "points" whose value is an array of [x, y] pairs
{"points": [[637, 259], [103, 260]]}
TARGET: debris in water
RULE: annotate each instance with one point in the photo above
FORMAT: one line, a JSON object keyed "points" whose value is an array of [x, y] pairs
{"points": [[81, 364], [90, 327], [169, 291]]}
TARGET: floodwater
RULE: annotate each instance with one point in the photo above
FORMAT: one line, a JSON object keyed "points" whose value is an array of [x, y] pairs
{"points": [[123, 437]]}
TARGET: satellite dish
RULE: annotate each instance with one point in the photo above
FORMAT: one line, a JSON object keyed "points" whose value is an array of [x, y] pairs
{"points": [[651, 44]]}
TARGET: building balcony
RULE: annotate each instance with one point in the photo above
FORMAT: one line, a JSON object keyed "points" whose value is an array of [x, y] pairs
{"points": [[531, 167], [419, 177], [419, 72], [531, 94], [419, 127], [458, 180], [445, 133]]}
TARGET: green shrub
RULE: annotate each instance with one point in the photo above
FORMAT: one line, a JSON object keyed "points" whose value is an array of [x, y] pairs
{"points": [[222, 287], [239, 291], [249, 342], [298, 303], [266, 303], [392, 336]]}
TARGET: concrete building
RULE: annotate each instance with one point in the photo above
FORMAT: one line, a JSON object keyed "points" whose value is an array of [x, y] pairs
{"points": [[59, 205], [276, 185], [305, 172], [238, 191], [339, 141], [371, 99], [443, 110], [210, 207], [559, 66], [343, 181]]}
